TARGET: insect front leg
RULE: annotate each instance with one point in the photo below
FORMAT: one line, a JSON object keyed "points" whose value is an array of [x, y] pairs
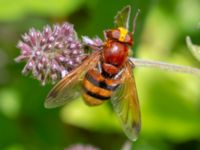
{"points": [[99, 67], [119, 74]]}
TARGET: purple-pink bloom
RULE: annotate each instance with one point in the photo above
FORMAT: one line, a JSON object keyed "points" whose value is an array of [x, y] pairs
{"points": [[50, 54], [81, 147], [95, 42]]}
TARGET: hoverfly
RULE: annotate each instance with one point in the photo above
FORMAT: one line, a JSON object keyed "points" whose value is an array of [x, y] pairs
{"points": [[106, 74]]}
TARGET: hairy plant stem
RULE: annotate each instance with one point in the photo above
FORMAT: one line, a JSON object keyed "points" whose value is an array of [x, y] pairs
{"points": [[165, 66]]}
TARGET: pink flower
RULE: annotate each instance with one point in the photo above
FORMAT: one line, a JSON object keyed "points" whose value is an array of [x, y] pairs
{"points": [[81, 147], [50, 54], [95, 42]]}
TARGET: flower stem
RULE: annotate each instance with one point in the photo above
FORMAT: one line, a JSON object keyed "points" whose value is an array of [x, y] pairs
{"points": [[165, 66]]}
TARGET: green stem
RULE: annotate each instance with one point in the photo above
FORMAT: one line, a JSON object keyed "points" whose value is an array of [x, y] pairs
{"points": [[165, 66]]}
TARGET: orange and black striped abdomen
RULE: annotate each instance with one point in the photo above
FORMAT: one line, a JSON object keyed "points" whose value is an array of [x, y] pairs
{"points": [[96, 88]]}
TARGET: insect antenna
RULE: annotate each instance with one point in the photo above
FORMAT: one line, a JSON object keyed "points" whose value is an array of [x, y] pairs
{"points": [[134, 21]]}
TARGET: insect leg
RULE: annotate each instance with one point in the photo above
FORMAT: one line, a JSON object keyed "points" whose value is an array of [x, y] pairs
{"points": [[99, 67], [131, 63], [119, 74]]}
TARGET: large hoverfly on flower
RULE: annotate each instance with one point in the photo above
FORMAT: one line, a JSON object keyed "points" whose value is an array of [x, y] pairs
{"points": [[105, 74]]}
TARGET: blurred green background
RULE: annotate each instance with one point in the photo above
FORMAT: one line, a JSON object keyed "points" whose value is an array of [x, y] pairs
{"points": [[170, 102]]}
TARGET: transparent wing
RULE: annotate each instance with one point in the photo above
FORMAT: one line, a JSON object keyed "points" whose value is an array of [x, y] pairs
{"points": [[69, 87], [122, 17], [126, 104]]}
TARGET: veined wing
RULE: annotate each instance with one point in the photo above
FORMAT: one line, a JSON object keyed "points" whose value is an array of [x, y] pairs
{"points": [[122, 17], [126, 104], [69, 87]]}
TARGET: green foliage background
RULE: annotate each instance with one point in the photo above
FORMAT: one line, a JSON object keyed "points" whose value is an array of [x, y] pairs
{"points": [[170, 102]]}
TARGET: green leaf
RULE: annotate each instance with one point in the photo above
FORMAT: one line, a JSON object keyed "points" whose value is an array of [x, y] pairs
{"points": [[99, 118], [194, 49], [52, 8], [122, 17]]}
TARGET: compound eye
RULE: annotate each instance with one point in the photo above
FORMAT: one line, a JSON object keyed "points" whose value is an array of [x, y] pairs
{"points": [[115, 34], [128, 39]]}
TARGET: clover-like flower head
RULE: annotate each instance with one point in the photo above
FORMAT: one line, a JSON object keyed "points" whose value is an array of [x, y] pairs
{"points": [[81, 147], [50, 54]]}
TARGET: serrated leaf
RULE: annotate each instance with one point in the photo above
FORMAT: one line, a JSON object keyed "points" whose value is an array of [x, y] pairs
{"points": [[122, 17]]}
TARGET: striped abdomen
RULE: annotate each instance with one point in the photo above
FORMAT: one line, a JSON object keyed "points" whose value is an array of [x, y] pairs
{"points": [[98, 88]]}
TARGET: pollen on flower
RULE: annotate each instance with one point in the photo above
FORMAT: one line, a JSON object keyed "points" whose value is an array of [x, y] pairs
{"points": [[50, 54]]}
